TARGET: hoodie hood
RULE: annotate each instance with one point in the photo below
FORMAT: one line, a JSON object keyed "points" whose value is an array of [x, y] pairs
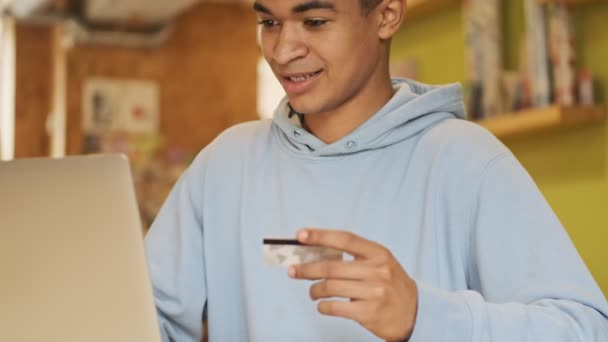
{"points": [[413, 108]]}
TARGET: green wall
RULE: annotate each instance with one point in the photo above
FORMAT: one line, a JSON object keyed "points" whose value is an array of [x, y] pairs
{"points": [[569, 166]]}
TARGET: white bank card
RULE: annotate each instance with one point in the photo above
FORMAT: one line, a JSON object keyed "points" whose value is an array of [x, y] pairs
{"points": [[285, 252]]}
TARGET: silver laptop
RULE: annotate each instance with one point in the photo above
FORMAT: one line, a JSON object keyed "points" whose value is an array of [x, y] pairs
{"points": [[72, 264]]}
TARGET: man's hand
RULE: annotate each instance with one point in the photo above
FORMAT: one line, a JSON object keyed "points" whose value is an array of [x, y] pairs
{"points": [[383, 298]]}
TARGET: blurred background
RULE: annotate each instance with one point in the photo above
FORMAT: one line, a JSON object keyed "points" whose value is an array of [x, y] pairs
{"points": [[159, 80]]}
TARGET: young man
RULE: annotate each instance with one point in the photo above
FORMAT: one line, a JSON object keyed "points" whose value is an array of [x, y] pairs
{"points": [[450, 239]]}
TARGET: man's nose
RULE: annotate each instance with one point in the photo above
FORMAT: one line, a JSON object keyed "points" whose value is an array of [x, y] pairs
{"points": [[289, 45]]}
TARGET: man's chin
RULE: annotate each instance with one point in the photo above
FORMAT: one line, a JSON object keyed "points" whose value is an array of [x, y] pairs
{"points": [[300, 107], [294, 108]]}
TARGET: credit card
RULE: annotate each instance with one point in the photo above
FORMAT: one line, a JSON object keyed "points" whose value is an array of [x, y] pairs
{"points": [[285, 252]]}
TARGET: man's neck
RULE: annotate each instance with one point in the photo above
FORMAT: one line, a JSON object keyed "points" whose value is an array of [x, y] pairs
{"points": [[332, 126]]}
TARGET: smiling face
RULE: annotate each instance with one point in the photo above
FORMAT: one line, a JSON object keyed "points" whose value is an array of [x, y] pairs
{"points": [[324, 53]]}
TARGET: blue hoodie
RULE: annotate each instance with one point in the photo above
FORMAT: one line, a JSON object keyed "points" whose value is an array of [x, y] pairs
{"points": [[490, 258]]}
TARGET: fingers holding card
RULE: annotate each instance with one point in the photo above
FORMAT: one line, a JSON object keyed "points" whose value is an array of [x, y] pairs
{"points": [[286, 252]]}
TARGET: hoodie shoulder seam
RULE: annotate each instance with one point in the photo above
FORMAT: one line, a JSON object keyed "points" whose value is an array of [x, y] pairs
{"points": [[473, 206]]}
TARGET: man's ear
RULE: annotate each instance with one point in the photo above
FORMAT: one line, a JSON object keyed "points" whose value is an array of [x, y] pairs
{"points": [[390, 15]]}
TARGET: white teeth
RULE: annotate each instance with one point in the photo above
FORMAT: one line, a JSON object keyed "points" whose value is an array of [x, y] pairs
{"points": [[301, 78]]}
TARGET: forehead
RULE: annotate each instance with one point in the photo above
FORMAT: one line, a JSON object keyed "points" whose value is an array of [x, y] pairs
{"points": [[287, 7]]}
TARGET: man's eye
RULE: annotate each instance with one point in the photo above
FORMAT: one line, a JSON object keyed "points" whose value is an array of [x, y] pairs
{"points": [[315, 22], [268, 23]]}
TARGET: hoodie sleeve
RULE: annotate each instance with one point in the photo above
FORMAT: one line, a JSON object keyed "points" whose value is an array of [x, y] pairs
{"points": [[174, 248], [526, 280]]}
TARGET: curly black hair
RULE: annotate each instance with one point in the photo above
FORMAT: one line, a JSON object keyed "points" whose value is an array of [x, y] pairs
{"points": [[368, 5]]}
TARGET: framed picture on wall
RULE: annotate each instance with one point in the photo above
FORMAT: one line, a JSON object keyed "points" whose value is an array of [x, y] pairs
{"points": [[120, 105]]}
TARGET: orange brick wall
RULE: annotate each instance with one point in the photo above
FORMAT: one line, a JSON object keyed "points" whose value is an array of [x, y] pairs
{"points": [[33, 90], [206, 72]]}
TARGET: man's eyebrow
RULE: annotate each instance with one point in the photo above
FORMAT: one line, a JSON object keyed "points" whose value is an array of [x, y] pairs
{"points": [[311, 5], [307, 6], [261, 8]]}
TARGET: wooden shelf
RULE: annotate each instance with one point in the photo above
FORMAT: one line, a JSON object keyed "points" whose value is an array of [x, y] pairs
{"points": [[420, 8], [534, 120], [569, 2]]}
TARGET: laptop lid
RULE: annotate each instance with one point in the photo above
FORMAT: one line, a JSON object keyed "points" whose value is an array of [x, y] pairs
{"points": [[72, 262]]}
